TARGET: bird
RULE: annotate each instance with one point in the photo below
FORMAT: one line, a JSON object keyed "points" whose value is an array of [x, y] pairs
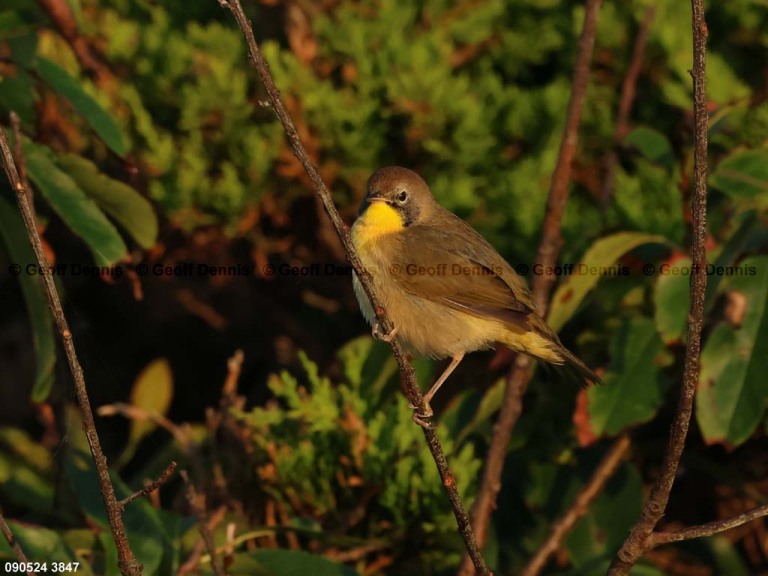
{"points": [[445, 289]]}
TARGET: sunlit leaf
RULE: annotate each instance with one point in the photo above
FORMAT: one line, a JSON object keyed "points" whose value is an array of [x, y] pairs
{"points": [[602, 254], [152, 392]]}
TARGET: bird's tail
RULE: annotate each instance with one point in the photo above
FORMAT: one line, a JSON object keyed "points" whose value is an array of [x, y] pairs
{"points": [[556, 354]]}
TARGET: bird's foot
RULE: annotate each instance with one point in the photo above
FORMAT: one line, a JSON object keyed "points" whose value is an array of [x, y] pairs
{"points": [[379, 335], [423, 417]]}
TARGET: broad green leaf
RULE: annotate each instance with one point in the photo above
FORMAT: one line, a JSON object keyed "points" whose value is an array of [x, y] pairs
{"points": [[14, 235], [652, 144], [126, 206], [633, 390], [98, 119], [732, 394], [602, 254], [671, 296], [743, 174], [80, 213], [152, 392]]}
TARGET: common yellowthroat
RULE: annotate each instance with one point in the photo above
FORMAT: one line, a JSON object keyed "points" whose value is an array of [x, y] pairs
{"points": [[444, 287]]}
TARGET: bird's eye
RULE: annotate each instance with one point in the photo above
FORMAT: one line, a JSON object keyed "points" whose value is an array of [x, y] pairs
{"points": [[402, 197]]}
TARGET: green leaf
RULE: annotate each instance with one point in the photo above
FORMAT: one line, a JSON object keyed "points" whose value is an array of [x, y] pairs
{"points": [[633, 390], [286, 563], [732, 394], [603, 253], [24, 473], [652, 144], [743, 174], [14, 234], [98, 119], [152, 392], [80, 213], [671, 296], [129, 208]]}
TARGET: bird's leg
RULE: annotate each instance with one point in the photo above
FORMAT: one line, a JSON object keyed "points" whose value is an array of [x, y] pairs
{"points": [[420, 417], [381, 336]]}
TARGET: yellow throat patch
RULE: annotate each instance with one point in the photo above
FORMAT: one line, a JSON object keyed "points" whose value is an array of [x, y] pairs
{"points": [[378, 219]]}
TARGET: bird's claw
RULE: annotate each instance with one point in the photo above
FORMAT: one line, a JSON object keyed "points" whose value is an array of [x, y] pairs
{"points": [[379, 335], [423, 417]]}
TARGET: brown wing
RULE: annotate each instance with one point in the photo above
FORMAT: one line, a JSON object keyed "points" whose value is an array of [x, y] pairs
{"points": [[454, 265]]}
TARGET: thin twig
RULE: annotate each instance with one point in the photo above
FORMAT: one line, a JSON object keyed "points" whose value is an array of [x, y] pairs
{"points": [[12, 542], [151, 486], [708, 529], [202, 521], [127, 562], [407, 375], [638, 540], [627, 97], [549, 248], [21, 162], [584, 499]]}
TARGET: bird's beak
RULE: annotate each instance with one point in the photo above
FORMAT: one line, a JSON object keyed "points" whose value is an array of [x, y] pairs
{"points": [[376, 196]]}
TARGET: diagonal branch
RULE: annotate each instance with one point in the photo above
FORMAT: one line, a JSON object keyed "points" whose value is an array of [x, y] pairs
{"points": [[129, 566], [549, 247], [638, 540], [708, 529], [407, 375], [12, 542], [584, 499]]}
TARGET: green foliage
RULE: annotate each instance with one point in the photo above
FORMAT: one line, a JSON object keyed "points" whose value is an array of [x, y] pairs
{"points": [[473, 95], [633, 390], [323, 450]]}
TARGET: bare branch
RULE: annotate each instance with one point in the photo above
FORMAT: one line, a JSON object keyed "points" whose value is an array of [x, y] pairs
{"points": [[584, 499], [407, 375], [151, 486], [129, 566], [708, 529], [202, 521], [549, 248], [627, 97], [638, 540], [12, 542]]}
